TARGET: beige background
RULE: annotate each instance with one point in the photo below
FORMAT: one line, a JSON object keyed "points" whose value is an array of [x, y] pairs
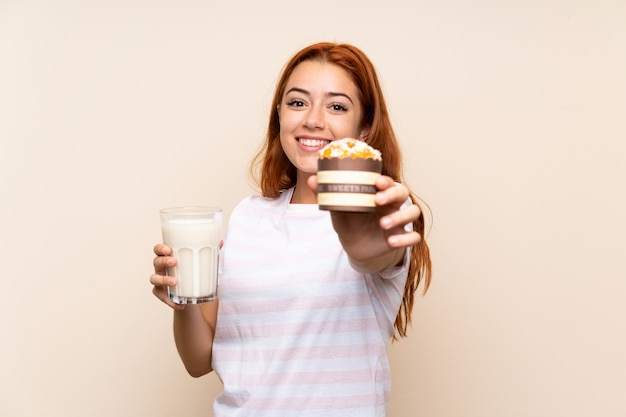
{"points": [[511, 116]]}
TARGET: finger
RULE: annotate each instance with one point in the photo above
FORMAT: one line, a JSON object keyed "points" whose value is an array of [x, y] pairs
{"points": [[400, 218], [393, 193], [161, 263], [384, 182], [404, 240], [162, 280], [162, 250]]}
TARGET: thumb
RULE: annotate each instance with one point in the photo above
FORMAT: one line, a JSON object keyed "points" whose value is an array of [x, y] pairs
{"points": [[312, 183]]}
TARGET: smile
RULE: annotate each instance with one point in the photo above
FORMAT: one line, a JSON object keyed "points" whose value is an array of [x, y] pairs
{"points": [[313, 143]]}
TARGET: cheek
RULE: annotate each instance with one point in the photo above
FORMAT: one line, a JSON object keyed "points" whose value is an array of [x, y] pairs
{"points": [[352, 129], [288, 120], [283, 140]]}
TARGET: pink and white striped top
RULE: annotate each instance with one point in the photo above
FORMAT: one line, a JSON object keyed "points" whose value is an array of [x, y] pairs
{"points": [[299, 332]]}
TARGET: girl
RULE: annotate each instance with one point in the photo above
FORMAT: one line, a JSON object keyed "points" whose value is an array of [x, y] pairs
{"points": [[309, 299]]}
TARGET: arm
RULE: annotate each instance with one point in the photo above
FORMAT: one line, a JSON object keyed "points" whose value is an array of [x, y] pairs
{"points": [[194, 325], [194, 328], [377, 241]]}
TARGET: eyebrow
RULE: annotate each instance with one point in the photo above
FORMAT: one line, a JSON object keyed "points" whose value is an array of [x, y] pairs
{"points": [[329, 94]]}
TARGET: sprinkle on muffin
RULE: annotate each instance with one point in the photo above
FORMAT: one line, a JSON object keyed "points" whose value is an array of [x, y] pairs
{"points": [[348, 147]]}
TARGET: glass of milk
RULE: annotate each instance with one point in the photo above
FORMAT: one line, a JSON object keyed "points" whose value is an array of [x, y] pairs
{"points": [[193, 233]]}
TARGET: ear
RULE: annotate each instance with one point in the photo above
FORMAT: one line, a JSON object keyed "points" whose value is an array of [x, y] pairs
{"points": [[364, 132]]}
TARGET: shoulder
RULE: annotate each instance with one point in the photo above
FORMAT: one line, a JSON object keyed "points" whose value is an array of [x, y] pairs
{"points": [[255, 202], [256, 205]]}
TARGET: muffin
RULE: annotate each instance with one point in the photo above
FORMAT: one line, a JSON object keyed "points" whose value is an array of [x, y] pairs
{"points": [[346, 176]]}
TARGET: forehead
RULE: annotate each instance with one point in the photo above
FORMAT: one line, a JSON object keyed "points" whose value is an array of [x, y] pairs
{"points": [[321, 75]]}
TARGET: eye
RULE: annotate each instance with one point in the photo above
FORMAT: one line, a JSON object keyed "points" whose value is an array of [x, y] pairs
{"points": [[295, 103], [338, 107]]}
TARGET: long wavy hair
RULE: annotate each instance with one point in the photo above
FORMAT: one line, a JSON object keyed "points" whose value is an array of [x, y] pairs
{"points": [[277, 173]]}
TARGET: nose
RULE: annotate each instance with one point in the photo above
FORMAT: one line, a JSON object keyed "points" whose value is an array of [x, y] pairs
{"points": [[314, 118]]}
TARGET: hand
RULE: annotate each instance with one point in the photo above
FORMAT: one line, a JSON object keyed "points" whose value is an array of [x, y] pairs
{"points": [[390, 200], [159, 279], [376, 241]]}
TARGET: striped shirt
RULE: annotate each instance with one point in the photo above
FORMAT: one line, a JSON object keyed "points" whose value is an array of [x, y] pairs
{"points": [[299, 332]]}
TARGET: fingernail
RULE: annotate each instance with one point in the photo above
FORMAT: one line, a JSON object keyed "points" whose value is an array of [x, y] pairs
{"points": [[386, 222], [171, 281], [393, 240]]}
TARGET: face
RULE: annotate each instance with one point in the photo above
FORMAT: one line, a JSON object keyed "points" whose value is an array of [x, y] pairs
{"points": [[320, 104]]}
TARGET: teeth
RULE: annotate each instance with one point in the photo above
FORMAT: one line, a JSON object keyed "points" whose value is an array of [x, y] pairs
{"points": [[313, 142]]}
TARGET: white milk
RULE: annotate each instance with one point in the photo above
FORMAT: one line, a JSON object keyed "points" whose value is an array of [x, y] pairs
{"points": [[195, 244]]}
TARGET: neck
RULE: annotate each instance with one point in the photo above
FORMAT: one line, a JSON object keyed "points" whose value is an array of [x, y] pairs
{"points": [[303, 193]]}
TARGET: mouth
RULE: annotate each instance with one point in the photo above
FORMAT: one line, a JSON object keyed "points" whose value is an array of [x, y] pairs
{"points": [[315, 143]]}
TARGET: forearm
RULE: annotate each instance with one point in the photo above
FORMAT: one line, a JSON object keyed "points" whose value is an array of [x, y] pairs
{"points": [[379, 263], [193, 335]]}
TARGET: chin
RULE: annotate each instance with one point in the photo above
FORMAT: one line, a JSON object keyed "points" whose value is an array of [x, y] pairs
{"points": [[309, 171], [308, 166]]}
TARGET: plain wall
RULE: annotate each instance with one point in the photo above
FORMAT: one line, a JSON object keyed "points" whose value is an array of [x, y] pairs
{"points": [[511, 117]]}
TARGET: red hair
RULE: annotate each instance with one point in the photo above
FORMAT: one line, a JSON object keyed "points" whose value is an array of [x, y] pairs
{"points": [[278, 173]]}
